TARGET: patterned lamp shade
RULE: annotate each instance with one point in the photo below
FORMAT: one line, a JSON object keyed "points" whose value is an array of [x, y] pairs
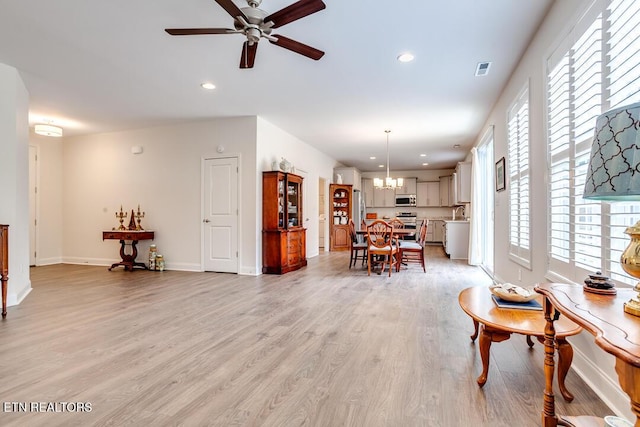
{"points": [[614, 167]]}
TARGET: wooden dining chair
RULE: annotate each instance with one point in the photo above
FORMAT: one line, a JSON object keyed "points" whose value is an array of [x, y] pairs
{"points": [[356, 246], [397, 224], [382, 248], [413, 251]]}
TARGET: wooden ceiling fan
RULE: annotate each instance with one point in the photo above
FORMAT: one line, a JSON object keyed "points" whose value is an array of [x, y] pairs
{"points": [[255, 24]]}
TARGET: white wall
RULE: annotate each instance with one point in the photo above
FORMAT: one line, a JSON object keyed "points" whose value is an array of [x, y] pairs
{"points": [[273, 144], [101, 173], [594, 365], [14, 179]]}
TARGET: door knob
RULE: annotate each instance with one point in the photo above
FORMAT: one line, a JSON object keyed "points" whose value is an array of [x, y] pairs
{"points": [[206, 221]]}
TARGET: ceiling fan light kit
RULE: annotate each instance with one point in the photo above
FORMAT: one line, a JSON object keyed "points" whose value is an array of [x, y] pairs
{"points": [[255, 24]]}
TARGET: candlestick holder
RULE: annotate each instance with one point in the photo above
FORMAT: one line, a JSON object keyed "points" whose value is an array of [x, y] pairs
{"points": [[139, 216], [121, 216]]}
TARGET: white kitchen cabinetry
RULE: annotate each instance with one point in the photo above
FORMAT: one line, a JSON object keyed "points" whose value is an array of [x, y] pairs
{"points": [[409, 186], [350, 176], [384, 198], [435, 231], [428, 194], [367, 192], [456, 239], [463, 183], [446, 191]]}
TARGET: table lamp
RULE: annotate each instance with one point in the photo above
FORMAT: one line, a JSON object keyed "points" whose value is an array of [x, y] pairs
{"points": [[614, 175]]}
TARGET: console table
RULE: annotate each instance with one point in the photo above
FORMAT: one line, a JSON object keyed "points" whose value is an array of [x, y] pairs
{"points": [[128, 260], [615, 331], [4, 265]]}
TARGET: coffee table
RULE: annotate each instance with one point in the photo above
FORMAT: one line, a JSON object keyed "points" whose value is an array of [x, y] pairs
{"points": [[497, 324]]}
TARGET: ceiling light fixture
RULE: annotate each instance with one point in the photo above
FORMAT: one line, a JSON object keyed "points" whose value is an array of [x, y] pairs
{"points": [[372, 158], [208, 86], [48, 130], [425, 164], [388, 182], [423, 155], [405, 57]]}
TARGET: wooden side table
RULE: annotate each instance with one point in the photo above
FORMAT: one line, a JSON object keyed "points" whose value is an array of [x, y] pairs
{"points": [[498, 324], [615, 331], [128, 260]]}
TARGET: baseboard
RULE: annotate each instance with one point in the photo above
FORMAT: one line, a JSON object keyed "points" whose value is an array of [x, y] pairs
{"points": [[48, 261], [87, 261], [607, 388], [15, 299]]}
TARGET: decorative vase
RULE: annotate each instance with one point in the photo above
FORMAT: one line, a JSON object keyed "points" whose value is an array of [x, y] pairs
{"points": [[285, 165], [338, 178]]}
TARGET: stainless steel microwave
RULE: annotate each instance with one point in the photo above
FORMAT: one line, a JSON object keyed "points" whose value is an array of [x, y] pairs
{"points": [[405, 200]]}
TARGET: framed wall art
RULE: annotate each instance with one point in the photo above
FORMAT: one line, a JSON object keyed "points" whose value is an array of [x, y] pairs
{"points": [[500, 175]]}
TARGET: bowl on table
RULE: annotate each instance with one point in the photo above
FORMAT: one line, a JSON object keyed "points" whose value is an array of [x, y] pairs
{"points": [[513, 293]]}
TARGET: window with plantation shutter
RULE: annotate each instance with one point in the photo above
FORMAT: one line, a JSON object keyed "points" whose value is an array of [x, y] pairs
{"points": [[519, 182], [596, 68]]}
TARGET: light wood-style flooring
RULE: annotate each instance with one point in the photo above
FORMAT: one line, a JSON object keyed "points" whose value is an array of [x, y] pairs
{"points": [[323, 346]]}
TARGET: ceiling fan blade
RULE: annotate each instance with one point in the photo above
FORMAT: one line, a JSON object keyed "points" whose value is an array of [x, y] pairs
{"points": [[295, 11], [297, 47], [231, 8], [191, 31], [248, 55]]}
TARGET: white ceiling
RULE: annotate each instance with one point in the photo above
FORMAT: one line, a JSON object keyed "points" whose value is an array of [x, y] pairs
{"points": [[107, 65]]}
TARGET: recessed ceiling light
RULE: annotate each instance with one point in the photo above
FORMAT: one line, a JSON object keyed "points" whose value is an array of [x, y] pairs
{"points": [[405, 57], [208, 86], [456, 146], [380, 166], [372, 158], [423, 155], [425, 164]]}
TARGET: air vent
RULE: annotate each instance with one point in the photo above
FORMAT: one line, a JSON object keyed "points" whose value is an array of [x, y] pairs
{"points": [[483, 68]]}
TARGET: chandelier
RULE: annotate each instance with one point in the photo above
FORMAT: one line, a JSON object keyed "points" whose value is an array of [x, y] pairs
{"points": [[388, 182]]}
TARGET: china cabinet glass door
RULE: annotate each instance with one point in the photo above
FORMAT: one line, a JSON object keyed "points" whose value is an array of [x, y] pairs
{"points": [[293, 202]]}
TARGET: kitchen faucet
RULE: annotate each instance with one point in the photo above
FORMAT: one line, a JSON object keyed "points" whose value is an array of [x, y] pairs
{"points": [[455, 211]]}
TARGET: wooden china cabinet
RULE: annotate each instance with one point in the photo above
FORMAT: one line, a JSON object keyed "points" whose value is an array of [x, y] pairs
{"points": [[341, 200], [283, 234]]}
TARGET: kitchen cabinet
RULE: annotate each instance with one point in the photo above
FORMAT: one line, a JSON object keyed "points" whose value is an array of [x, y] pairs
{"points": [[283, 236], [384, 198], [456, 239], [446, 190], [339, 238], [351, 176], [428, 194], [435, 230], [409, 186], [463, 183], [367, 192]]}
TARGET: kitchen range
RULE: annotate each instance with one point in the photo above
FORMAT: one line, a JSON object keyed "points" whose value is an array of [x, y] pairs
{"points": [[410, 220]]}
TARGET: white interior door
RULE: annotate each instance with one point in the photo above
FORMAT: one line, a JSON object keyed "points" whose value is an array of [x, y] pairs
{"points": [[220, 215]]}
